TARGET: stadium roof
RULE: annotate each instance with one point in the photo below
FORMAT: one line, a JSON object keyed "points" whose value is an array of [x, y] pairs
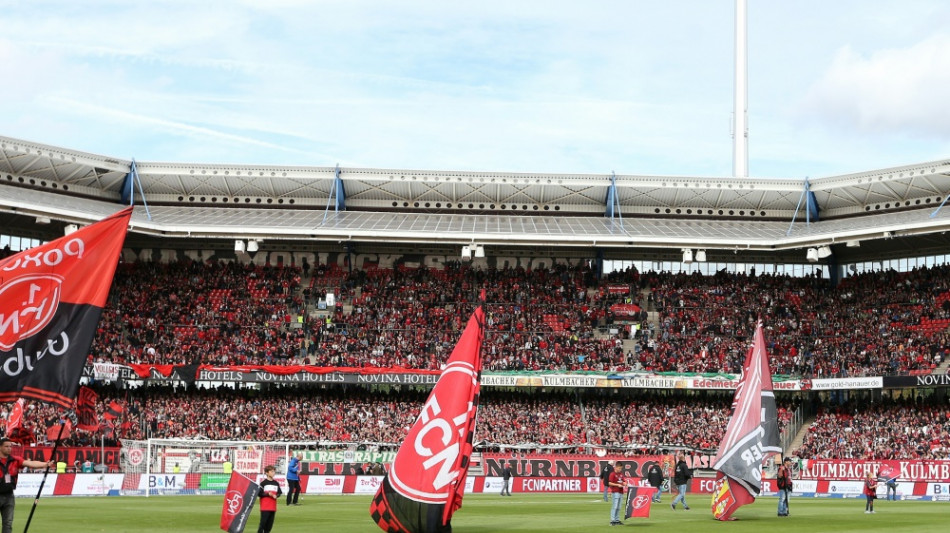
{"points": [[650, 213]]}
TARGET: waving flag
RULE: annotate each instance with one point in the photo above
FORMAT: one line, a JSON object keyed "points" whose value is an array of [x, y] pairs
{"points": [[51, 298], [60, 430], [15, 420], [86, 409], [638, 502], [425, 484], [114, 411], [238, 502], [751, 436]]}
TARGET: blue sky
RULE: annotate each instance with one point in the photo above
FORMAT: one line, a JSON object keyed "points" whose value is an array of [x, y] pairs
{"points": [[555, 86]]}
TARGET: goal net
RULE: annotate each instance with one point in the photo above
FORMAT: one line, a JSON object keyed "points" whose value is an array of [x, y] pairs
{"points": [[178, 466]]}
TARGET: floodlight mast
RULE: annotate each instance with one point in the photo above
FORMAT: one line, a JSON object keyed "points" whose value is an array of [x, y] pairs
{"points": [[740, 113]]}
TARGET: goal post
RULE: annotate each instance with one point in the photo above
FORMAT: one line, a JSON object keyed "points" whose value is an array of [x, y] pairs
{"points": [[180, 466]]}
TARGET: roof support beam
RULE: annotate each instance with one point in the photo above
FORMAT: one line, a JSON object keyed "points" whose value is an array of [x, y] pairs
{"points": [[613, 201]]}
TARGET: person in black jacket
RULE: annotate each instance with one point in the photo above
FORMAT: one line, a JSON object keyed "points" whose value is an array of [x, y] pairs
{"points": [[506, 480], [681, 476], [655, 477], [605, 476], [784, 481]]}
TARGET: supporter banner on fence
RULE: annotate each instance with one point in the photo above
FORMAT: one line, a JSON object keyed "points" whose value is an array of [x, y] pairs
{"points": [[248, 461], [623, 310], [347, 456], [618, 289], [70, 456], [106, 371], [928, 471]]}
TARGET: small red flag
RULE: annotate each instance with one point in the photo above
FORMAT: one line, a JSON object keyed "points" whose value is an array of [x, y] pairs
{"points": [[238, 502], [114, 411], [638, 502], [53, 432], [15, 421]]}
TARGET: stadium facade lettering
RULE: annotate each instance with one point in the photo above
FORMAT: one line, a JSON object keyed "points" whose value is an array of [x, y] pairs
{"points": [[71, 456], [571, 466], [922, 470], [926, 380]]}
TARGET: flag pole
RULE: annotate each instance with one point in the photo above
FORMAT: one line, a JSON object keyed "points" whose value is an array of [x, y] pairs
{"points": [[45, 474]]}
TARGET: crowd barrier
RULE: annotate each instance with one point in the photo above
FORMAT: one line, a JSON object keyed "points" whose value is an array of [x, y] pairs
{"points": [[182, 484]]}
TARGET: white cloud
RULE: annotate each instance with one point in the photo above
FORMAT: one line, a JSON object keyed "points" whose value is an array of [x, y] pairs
{"points": [[898, 90]]}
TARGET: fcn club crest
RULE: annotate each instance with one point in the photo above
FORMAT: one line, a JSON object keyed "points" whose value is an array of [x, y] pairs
{"points": [[234, 500], [28, 304]]}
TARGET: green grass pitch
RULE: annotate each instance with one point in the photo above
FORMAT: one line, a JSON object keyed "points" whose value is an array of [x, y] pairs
{"points": [[481, 513]]}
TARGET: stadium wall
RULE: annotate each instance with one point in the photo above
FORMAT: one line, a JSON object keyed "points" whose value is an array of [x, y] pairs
{"points": [[215, 484]]}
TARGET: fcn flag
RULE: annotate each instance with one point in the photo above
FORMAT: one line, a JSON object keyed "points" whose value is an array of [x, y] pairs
{"points": [[752, 434], [51, 298], [638, 502], [426, 481], [238, 502]]}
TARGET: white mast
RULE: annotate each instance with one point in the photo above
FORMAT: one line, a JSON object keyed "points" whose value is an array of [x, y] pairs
{"points": [[740, 126]]}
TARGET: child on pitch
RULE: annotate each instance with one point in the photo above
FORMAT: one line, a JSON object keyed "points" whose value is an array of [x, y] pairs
{"points": [[870, 492], [269, 493]]}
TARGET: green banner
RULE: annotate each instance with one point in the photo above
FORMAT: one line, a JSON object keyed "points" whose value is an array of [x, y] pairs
{"points": [[215, 481], [348, 456]]}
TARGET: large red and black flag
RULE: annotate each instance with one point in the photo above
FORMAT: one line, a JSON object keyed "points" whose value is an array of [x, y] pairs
{"points": [[751, 436], [51, 298], [238, 502], [86, 409], [426, 481]]}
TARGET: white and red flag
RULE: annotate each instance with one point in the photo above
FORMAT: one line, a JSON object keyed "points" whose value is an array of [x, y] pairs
{"points": [[425, 484], [751, 436], [15, 420]]}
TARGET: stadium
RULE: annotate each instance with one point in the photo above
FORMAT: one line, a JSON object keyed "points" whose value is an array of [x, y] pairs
{"points": [[264, 312], [620, 309]]}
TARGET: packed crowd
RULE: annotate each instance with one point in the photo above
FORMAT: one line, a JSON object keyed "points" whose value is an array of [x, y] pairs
{"points": [[555, 421], [188, 313], [558, 318], [864, 326], [895, 429], [562, 422]]}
